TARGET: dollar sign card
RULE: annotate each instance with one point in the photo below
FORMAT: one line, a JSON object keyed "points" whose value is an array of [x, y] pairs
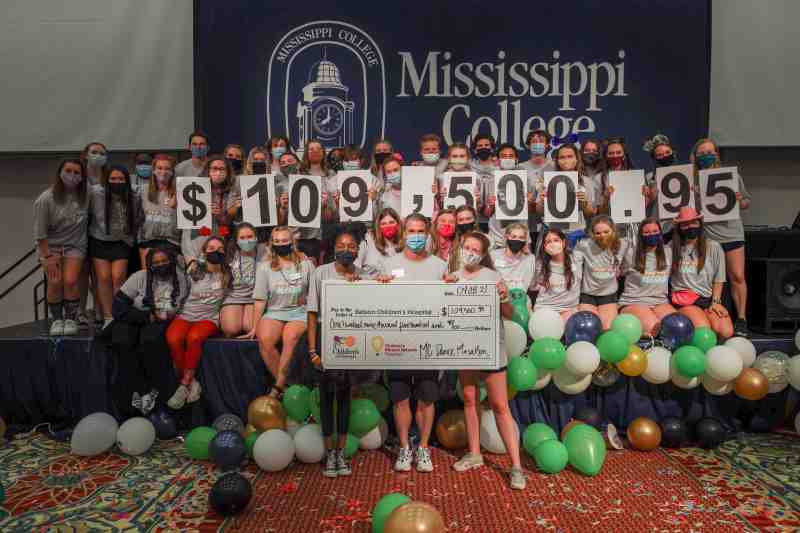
{"points": [[194, 201]]}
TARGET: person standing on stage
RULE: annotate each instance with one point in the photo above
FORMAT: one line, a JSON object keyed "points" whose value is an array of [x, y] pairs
{"points": [[159, 204], [193, 167]]}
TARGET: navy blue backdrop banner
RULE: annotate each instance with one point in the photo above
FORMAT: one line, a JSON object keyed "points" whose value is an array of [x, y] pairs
{"points": [[357, 71]]}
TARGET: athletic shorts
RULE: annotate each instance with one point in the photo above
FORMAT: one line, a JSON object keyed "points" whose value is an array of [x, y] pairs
{"points": [[108, 250], [731, 246], [598, 300], [424, 384]]}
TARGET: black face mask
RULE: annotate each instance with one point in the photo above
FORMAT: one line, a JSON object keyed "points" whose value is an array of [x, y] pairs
{"points": [[463, 228], [345, 258], [590, 159], [335, 163], [259, 167], [483, 153], [117, 188], [689, 234], [515, 245], [665, 161], [282, 249], [380, 157], [236, 164], [162, 271], [215, 258]]}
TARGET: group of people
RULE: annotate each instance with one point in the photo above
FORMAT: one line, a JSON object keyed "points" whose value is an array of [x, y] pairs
{"points": [[98, 221]]}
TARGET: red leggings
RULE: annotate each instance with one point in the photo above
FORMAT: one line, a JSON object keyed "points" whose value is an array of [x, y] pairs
{"points": [[185, 340]]}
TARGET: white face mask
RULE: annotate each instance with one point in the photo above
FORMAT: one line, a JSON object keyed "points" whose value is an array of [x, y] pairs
{"points": [[430, 158], [458, 162], [554, 248], [351, 165], [470, 258], [507, 163]]}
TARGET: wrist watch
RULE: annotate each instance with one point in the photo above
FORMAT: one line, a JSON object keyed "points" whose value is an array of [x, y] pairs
{"points": [[716, 301]]}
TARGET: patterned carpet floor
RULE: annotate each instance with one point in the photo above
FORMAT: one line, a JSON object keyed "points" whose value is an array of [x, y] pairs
{"points": [[749, 484]]}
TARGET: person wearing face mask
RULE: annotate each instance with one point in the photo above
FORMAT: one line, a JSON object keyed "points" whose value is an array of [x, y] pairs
{"points": [[199, 147], [335, 385], [335, 157], [226, 201], [414, 264], [618, 158], [729, 233], [508, 160], [646, 269], [384, 240], [443, 236], [466, 219], [236, 316], [142, 170], [483, 163], [159, 227], [282, 290], [278, 145], [382, 151], [663, 155], [95, 157], [289, 165], [538, 142], [256, 165], [314, 163], [514, 262], [114, 217], [430, 150], [558, 275], [60, 221], [601, 260], [457, 161], [198, 318], [698, 275], [594, 166], [234, 153], [478, 266], [392, 185], [143, 308]]}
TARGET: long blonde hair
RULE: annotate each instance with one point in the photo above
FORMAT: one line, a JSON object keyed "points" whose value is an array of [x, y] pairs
{"points": [[296, 256], [520, 226]]}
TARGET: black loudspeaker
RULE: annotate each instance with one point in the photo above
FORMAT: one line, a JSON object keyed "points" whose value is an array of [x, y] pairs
{"points": [[773, 280]]}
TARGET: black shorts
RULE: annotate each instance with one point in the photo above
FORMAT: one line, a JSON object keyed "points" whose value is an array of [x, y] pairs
{"points": [[310, 247], [598, 300], [423, 383], [731, 246], [109, 250]]}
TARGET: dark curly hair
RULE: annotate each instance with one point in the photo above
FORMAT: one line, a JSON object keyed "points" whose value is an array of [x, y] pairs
{"points": [[174, 276]]}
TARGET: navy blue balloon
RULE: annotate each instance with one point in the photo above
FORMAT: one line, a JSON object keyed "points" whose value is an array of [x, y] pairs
{"points": [[227, 450], [676, 330], [582, 326], [164, 423], [230, 494]]}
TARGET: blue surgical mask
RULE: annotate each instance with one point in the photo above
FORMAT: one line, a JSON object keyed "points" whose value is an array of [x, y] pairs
{"points": [[705, 160], [144, 171], [538, 148], [393, 179], [247, 245], [97, 160], [651, 240], [416, 242], [351, 165], [278, 151], [199, 151]]}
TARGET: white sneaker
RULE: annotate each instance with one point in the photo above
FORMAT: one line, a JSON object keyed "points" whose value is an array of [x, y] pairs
{"points": [[342, 466], [330, 469], [517, 480], [424, 463], [403, 463], [178, 400], [195, 390], [468, 462], [57, 328], [70, 327]]}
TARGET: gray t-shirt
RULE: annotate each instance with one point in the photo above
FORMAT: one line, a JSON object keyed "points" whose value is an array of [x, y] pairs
{"points": [[403, 269], [135, 287], [557, 296], [486, 274], [192, 241], [518, 272], [536, 185], [186, 169], [119, 218], [728, 230], [243, 270], [650, 287], [701, 283], [160, 220], [205, 298], [283, 290], [320, 274], [63, 224], [600, 267], [370, 258]]}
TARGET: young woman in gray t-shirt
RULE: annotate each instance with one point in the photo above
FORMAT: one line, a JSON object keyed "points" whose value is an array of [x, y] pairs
{"points": [[236, 316], [558, 275]]}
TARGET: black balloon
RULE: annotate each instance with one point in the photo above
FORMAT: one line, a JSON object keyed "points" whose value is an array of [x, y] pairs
{"points": [[227, 449], [710, 432], [590, 416], [164, 423], [674, 432], [230, 494]]}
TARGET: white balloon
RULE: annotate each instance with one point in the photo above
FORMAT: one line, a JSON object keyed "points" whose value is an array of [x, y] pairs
{"points": [[569, 383], [797, 423], [136, 435], [490, 435], [797, 339], [375, 438], [543, 379], [516, 338], [94, 434], [309, 446], [273, 450], [794, 372], [744, 348], [658, 366], [582, 358], [292, 426], [774, 365], [723, 363], [715, 387], [546, 323], [681, 381]]}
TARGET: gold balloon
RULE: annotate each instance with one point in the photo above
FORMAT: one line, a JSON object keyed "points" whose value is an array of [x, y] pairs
{"points": [[451, 429], [266, 413], [248, 430], [415, 517], [635, 363], [644, 434], [571, 424], [751, 384]]}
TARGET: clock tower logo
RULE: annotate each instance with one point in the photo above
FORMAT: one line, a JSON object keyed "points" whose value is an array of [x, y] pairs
{"points": [[326, 81]]}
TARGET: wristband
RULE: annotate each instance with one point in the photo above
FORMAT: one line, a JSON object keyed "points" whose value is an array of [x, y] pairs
{"points": [[717, 301]]}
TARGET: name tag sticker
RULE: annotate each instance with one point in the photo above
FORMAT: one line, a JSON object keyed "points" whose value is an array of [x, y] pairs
{"points": [[399, 273]]}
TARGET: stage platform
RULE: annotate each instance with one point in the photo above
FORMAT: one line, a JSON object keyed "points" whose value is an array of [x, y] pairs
{"points": [[60, 380]]}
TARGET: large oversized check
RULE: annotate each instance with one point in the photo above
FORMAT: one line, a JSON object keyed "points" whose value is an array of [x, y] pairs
{"points": [[410, 325]]}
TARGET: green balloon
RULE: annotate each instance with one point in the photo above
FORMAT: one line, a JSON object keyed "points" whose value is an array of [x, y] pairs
{"points": [[377, 393], [586, 449], [613, 346], [351, 447], [535, 434], [690, 361], [548, 353], [250, 441], [297, 402], [551, 456], [197, 442], [704, 338], [384, 507], [521, 373], [364, 416], [628, 326], [481, 388]]}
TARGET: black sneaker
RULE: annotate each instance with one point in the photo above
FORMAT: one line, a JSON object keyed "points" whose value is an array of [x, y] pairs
{"points": [[740, 328]]}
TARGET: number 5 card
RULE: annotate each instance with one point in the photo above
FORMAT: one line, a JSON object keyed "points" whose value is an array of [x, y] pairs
{"points": [[718, 188], [459, 189]]}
